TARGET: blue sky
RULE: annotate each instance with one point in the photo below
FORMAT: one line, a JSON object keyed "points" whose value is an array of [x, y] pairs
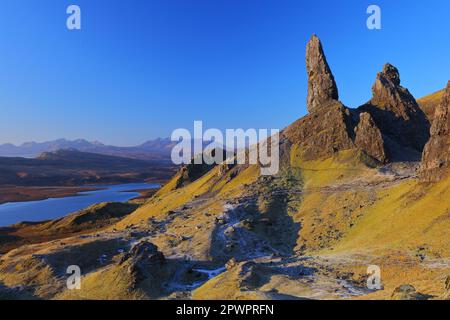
{"points": [[138, 69]]}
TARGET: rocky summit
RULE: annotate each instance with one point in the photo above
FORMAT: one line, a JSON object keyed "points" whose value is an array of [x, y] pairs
{"points": [[322, 88], [396, 112]]}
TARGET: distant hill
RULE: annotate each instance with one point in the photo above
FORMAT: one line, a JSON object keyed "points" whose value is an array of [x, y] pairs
{"points": [[154, 149], [73, 168]]}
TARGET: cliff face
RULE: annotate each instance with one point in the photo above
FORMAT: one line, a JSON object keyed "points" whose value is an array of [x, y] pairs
{"points": [[369, 137], [436, 155], [324, 133], [396, 112]]}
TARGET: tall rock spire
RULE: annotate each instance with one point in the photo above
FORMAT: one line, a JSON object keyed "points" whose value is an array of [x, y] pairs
{"points": [[321, 85]]}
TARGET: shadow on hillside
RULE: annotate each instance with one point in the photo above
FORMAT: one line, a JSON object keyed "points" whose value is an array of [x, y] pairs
{"points": [[260, 225], [405, 139]]}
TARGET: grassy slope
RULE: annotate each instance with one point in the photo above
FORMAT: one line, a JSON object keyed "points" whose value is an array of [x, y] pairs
{"points": [[168, 199], [407, 215], [430, 102], [342, 216], [388, 224]]}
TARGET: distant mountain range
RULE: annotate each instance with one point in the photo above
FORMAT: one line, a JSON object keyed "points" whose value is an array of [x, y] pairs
{"points": [[151, 150], [70, 167]]}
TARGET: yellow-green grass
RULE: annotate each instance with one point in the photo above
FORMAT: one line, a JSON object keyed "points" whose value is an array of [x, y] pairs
{"points": [[406, 215]]}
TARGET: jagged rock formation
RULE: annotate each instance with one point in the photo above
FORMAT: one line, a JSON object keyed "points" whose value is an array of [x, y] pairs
{"points": [[396, 112], [197, 168], [321, 85], [331, 127], [436, 155], [369, 138], [324, 133], [143, 261]]}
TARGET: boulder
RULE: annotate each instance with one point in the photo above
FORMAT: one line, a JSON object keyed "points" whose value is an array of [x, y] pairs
{"points": [[143, 261], [408, 292]]}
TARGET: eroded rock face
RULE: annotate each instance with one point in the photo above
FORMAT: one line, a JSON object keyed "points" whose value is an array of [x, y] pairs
{"points": [[369, 138], [396, 112], [322, 134], [436, 155], [321, 84], [389, 95]]}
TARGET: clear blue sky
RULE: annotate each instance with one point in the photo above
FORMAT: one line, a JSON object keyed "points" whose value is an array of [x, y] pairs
{"points": [[140, 68]]}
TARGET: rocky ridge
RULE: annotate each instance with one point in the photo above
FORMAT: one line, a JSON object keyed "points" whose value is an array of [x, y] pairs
{"points": [[436, 155]]}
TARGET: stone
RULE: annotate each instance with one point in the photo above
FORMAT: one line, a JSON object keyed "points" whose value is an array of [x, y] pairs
{"points": [[408, 292], [321, 84], [143, 261]]}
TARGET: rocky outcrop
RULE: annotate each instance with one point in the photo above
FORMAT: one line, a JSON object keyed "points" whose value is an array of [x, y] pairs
{"points": [[331, 127], [322, 134], [389, 95], [408, 292], [396, 112], [321, 85], [436, 155], [198, 167], [144, 261], [369, 138]]}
